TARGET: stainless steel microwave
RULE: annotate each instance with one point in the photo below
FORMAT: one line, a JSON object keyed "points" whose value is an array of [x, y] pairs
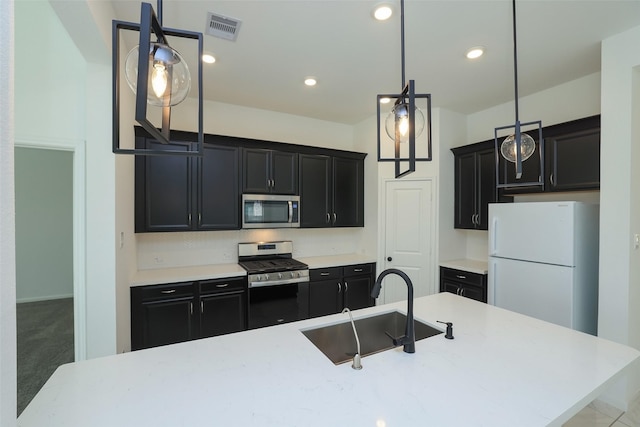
{"points": [[270, 211]]}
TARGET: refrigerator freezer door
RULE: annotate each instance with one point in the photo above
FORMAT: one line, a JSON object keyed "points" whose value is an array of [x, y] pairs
{"points": [[542, 291], [538, 232]]}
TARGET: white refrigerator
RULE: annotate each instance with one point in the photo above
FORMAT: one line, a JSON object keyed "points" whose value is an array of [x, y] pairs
{"points": [[543, 261]]}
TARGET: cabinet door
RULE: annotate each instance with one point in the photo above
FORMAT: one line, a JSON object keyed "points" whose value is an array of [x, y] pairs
{"points": [[167, 321], [348, 193], [164, 189], [574, 161], [357, 292], [315, 185], [486, 187], [256, 164], [222, 313], [284, 172], [218, 192], [465, 192], [473, 292], [325, 297]]}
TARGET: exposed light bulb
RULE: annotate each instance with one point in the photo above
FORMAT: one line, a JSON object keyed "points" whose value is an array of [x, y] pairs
{"points": [[398, 119], [159, 80], [508, 148], [403, 125]]}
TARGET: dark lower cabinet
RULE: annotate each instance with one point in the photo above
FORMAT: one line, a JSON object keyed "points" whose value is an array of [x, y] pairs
{"points": [[177, 312], [334, 288], [464, 283]]}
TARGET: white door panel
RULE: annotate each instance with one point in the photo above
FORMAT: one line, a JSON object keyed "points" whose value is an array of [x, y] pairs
{"points": [[408, 238], [542, 291]]}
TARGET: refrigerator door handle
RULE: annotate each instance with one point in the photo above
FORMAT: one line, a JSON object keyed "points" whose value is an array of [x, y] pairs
{"points": [[494, 236]]}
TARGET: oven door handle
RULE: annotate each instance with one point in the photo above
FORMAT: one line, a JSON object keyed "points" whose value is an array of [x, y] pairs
{"points": [[279, 282]]}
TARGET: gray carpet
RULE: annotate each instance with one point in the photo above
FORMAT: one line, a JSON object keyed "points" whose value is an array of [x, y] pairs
{"points": [[45, 341]]}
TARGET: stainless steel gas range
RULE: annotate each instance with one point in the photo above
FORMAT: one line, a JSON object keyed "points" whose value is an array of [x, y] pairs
{"points": [[278, 284]]}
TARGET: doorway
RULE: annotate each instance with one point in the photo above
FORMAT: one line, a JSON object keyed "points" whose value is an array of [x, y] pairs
{"points": [[44, 266], [408, 237]]}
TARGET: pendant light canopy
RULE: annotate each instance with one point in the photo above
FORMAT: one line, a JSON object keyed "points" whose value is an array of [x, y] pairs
{"points": [[519, 146], [405, 123], [159, 76]]}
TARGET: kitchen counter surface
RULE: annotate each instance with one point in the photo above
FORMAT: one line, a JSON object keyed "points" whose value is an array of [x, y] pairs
{"points": [[470, 265], [502, 369], [336, 260], [186, 274]]}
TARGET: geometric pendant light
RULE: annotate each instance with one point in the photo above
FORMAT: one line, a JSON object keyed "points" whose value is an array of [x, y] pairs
{"points": [[405, 126], [519, 146], [159, 76]]}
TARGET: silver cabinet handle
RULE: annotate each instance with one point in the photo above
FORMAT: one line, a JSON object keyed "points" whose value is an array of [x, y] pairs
{"points": [[334, 217], [461, 292], [324, 273], [199, 219], [189, 219], [201, 307], [191, 307], [357, 270], [339, 287], [346, 287], [551, 179], [328, 218], [170, 291], [460, 276], [222, 285]]}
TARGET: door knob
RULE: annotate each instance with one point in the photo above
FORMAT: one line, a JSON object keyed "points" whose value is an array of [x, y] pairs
{"points": [[389, 259]]}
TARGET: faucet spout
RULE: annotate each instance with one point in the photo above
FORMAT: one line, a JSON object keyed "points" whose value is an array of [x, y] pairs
{"points": [[409, 338], [357, 364]]}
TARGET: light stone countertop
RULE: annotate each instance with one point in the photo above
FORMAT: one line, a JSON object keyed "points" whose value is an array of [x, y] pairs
{"points": [[336, 260], [470, 265], [502, 369], [186, 274]]}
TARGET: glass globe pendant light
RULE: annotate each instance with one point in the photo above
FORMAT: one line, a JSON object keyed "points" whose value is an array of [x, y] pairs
{"points": [[169, 78], [397, 122]]}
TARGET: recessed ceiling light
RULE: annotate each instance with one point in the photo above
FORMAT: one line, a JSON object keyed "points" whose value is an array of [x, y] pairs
{"points": [[208, 58], [310, 81], [475, 52], [385, 100], [382, 11]]}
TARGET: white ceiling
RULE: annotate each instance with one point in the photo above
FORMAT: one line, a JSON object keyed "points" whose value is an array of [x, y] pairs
{"points": [[355, 57]]}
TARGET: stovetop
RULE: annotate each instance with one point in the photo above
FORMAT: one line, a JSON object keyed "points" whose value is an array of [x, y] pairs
{"points": [[272, 265]]}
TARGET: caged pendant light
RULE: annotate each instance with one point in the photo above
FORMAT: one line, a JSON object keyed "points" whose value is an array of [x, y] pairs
{"points": [[158, 75], [519, 146], [406, 122]]}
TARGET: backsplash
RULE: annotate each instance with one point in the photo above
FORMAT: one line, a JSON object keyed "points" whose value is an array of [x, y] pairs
{"points": [[167, 250]]}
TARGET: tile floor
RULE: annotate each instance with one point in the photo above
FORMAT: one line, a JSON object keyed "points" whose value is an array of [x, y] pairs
{"points": [[600, 414]]}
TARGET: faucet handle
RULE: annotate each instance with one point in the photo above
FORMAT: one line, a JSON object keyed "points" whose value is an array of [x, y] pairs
{"points": [[397, 341]]}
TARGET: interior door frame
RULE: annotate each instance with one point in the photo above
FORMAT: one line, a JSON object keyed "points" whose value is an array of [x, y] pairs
{"points": [[77, 147], [382, 237]]}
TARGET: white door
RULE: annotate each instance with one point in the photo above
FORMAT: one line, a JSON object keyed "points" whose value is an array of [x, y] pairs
{"points": [[408, 238]]}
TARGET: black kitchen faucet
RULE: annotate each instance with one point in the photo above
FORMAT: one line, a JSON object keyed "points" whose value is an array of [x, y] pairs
{"points": [[409, 338]]}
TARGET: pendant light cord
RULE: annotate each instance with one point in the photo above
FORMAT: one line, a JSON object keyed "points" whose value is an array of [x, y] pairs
{"points": [[402, 39], [160, 12], [515, 59]]}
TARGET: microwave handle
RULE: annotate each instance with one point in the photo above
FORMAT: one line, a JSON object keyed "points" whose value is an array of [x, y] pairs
{"points": [[290, 211]]}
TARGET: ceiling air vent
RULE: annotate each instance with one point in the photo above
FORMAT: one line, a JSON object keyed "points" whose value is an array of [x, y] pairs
{"points": [[222, 26]]}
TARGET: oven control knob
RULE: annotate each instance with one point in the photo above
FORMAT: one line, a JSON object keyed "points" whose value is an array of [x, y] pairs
{"points": [[258, 278], [266, 277], [279, 275], [293, 274]]}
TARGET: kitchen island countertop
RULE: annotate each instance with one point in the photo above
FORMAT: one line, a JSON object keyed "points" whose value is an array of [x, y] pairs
{"points": [[502, 369]]}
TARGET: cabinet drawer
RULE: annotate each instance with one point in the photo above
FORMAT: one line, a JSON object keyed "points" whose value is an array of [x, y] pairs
{"points": [[223, 285], [169, 290], [325, 273], [357, 270], [461, 276]]}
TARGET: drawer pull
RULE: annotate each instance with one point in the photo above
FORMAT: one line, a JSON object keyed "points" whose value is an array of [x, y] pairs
{"points": [[357, 270], [460, 276], [201, 307], [222, 285], [169, 291], [324, 273]]}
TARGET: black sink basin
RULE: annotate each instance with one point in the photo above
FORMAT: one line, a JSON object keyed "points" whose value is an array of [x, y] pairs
{"points": [[338, 343]]}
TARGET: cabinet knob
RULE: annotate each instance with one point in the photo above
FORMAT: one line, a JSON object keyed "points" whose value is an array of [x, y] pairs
{"points": [[389, 259]]}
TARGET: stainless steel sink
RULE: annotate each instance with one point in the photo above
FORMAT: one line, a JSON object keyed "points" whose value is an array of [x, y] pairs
{"points": [[339, 345]]}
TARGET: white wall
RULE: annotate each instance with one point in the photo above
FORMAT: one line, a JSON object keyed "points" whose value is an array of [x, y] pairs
{"points": [[619, 299], [44, 224], [8, 401]]}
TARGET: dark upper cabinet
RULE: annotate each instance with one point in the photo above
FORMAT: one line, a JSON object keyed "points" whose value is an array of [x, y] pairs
{"points": [[269, 171], [475, 185], [182, 193], [571, 159], [331, 191]]}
